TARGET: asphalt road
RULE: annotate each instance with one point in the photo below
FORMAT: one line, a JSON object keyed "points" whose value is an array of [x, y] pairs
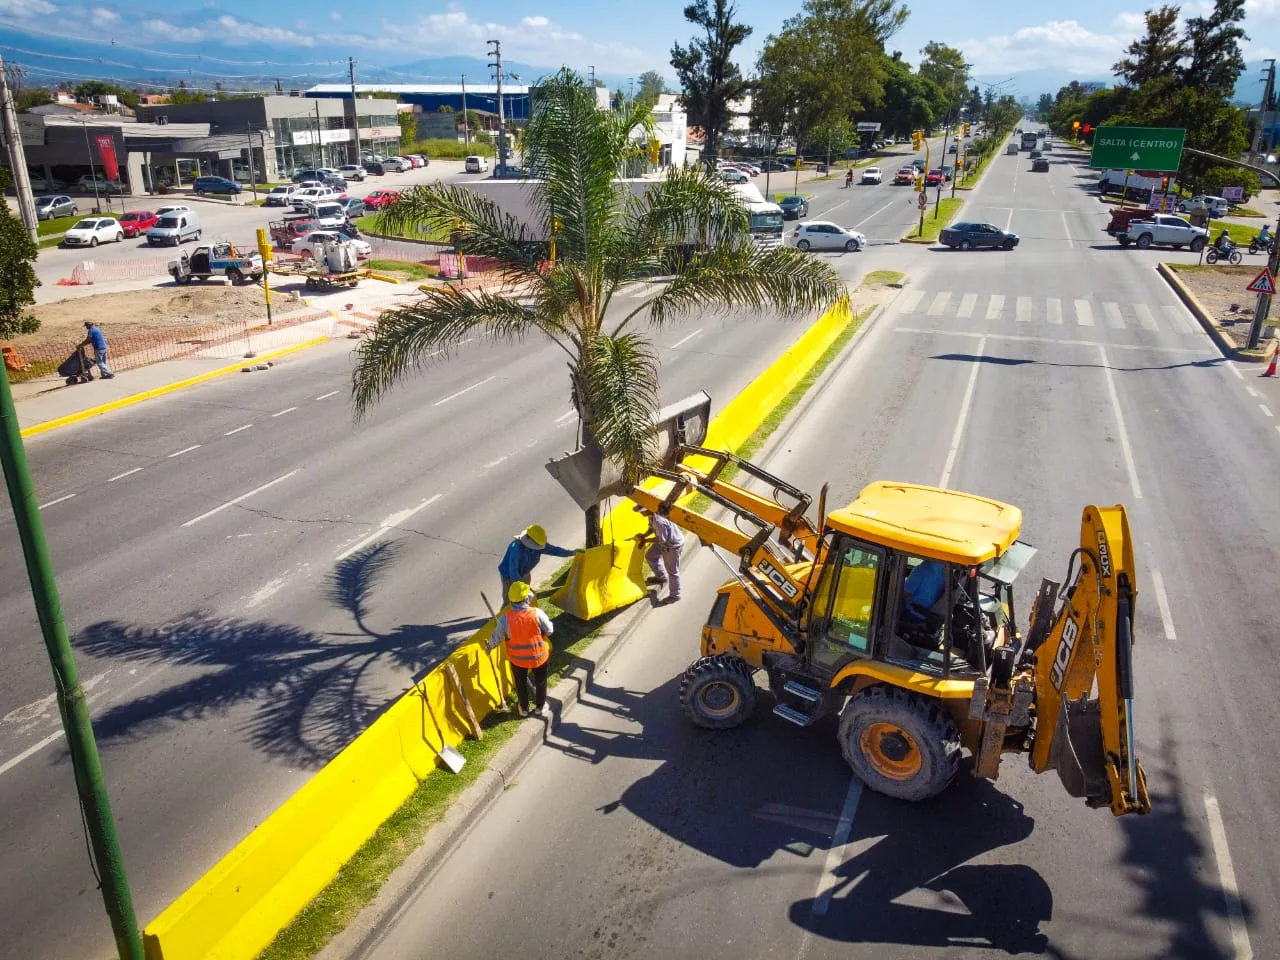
{"points": [[1057, 375], [250, 578]]}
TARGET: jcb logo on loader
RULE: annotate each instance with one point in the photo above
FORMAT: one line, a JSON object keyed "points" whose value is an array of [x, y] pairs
{"points": [[778, 580], [1104, 554], [1062, 657]]}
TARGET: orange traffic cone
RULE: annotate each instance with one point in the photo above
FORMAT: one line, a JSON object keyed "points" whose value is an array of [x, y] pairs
{"points": [[1271, 367]]}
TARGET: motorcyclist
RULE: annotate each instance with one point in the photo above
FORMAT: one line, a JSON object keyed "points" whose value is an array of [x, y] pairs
{"points": [[1224, 242], [1263, 240]]}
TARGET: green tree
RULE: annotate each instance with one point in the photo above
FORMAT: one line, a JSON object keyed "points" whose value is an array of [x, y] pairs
{"points": [[408, 129], [907, 101], [92, 89], [29, 97], [1044, 105], [1214, 41], [444, 108], [605, 237], [832, 137], [652, 86], [1155, 55], [17, 272], [709, 77], [945, 67]]}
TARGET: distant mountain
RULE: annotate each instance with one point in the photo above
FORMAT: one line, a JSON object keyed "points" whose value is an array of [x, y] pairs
{"points": [[1031, 83]]}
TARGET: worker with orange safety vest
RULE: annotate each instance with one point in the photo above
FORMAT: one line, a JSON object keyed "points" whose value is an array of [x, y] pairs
{"points": [[526, 630]]}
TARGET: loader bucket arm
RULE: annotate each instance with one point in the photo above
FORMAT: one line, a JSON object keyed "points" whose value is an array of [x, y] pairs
{"points": [[1083, 672]]}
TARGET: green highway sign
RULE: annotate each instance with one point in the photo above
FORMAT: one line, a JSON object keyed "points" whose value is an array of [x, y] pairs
{"points": [[1158, 149]]}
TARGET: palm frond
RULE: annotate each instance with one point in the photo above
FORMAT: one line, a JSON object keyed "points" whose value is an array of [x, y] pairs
{"points": [[404, 340], [618, 385], [481, 227], [741, 275]]}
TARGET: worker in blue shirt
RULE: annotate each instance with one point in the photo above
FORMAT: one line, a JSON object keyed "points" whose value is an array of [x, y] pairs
{"points": [[523, 554], [96, 340]]}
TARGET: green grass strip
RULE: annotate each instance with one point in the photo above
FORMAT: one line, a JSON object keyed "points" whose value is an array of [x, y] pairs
{"points": [[410, 271], [1241, 233], [882, 278], [933, 225]]}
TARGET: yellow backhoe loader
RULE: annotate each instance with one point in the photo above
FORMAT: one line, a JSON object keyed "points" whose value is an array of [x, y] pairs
{"points": [[897, 613]]}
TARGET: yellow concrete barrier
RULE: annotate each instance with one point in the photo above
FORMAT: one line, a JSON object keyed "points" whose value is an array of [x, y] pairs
{"points": [[235, 910], [611, 576]]}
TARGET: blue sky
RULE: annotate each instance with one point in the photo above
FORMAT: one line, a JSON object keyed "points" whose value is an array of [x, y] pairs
{"points": [[619, 37]]}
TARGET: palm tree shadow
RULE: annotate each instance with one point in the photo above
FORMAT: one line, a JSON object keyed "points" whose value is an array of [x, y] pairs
{"points": [[303, 695]]}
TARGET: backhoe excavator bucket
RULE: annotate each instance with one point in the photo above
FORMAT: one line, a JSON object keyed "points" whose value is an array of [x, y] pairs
{"points": [[589, 476]]}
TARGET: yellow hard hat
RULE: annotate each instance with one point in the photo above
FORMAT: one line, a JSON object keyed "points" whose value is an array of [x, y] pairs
{"points": [[537, 535], [518, 592]]}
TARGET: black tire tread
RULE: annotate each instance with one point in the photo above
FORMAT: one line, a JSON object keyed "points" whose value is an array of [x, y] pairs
{"points": [[937, 734], [723, 667]]}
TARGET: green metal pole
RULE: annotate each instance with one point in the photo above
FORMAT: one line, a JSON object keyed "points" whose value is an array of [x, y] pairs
{"points": [[72, 705]]}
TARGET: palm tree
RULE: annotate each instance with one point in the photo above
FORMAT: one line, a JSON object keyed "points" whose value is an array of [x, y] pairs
{"points": [[590, 235]]}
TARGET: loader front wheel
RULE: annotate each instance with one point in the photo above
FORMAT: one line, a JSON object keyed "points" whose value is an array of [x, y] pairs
{"points": [[717, 692], [899, 743]]}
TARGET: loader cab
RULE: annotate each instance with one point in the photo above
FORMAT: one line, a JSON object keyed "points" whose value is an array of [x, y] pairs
{"points": [[918, 578]]}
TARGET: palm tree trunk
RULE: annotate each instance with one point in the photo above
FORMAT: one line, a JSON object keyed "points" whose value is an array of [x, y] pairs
{"points": [[594, 535]]}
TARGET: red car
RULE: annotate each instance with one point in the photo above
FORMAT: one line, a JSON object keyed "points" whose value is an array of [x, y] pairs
{"points": [[905, 177], [137, 222], [933, 178], [381, 198]]}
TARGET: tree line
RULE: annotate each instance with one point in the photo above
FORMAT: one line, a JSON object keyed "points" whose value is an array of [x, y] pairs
{"points": [[1173, 78]]}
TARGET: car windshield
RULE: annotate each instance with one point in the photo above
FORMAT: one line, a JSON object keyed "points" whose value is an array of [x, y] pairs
{"points": [[280, 189], [86, 225], [791, 200], [170, 222], [132, 216], [766, 223]]}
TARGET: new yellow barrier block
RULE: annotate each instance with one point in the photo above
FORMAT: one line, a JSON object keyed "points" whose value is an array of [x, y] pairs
{"points": [[237, 908], [609, 577]]}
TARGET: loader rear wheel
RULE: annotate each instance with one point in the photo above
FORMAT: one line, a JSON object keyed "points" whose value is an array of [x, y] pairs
{"points": [[898, 743], [717, 692]]}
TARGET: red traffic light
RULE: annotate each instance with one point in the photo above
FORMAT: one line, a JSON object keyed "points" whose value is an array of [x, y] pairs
{"points": [[1087, 128], [1164, 182]]}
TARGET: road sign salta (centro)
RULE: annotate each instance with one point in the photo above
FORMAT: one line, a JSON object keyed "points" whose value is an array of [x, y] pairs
{"points": [[1263, 283], [1137, 148]]}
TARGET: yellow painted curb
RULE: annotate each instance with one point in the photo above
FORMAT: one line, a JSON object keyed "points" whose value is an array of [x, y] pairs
{"points": [[161, 391]]}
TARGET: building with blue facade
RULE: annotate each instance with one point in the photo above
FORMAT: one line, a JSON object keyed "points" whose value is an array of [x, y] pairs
{"points": [[430, 97]]}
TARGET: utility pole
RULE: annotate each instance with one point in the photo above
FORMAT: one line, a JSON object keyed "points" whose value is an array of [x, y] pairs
{"points": [[319, 145], [466, 127], [1268, 91], [97, 204], [592, 68], [355, 120], [73, 707], [496, 53], [17, 157], [253, 176]]}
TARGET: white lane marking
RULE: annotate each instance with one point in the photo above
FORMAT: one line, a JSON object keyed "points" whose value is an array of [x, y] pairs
{"points": [[1253, 393], [681, 342], [939, 304], [1114, 318], [994, 306], [910, 300], [52, 502], [1022, 310], [1162, 601], [1053, 309], [284, 411], [1179, 322], [178, 453], [1084, 313], [1009, 220], [392, 521], [1125, 449], [958, 434], [237, 430], [565, 416], [1243, 949], [121, 476], [455, 396], [29, 752], [828, 882], [1145, 319], [46, 705], [967, 303], [1067, 230], [326, 396], [1234, 369], [872, 216], [493, 463], [1266, 411], [240, 499]]}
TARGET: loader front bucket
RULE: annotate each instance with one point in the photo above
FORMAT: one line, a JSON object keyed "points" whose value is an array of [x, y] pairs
{"points": [[588, 476]]}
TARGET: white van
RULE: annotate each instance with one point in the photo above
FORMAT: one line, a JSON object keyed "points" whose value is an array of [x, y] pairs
{"points": [[477, 164], [174, 228]]}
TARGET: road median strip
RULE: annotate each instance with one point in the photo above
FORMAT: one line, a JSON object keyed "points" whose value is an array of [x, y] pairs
{"points": [[947, 209], [302, 875], [1225, 345]]}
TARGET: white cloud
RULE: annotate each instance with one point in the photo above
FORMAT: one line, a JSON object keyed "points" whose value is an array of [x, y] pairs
{"points": [[232, 31], [167, 31], [335, 16], [101, 17], [1064, 44], [26, 8]]}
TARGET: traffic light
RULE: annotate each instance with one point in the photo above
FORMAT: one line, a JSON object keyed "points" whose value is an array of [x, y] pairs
{"points": [[916, 138], [1164, 184], [1088, 129], [966, 128], [1075, 124], [919, 182]]}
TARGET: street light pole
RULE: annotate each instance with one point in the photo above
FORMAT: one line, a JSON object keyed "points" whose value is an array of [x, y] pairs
{"points": [[73, 706]]}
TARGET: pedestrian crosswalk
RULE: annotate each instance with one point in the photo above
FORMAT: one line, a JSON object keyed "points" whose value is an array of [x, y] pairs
{"points": [[1055, 311]]}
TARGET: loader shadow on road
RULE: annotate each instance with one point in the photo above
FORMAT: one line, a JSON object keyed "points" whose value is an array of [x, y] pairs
{"points": [[307, 694], [745, 796]]}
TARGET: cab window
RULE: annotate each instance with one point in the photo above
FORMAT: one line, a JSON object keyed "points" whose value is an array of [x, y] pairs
{"points": [[846, 594]]}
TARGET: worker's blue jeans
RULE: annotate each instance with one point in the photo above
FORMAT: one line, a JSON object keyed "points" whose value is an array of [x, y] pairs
{"points": [[100, 358]]}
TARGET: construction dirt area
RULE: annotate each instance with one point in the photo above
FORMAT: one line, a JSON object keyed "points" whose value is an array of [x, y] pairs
{"points": [[1221, 290]]}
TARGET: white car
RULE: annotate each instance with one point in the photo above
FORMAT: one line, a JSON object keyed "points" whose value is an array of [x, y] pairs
{"points": [[872, 175], [92, 231], [823, 235], [734, 175], [352, 171], [398, 164], [281, 196], [305, 246], [172, 208], [302, 198]]}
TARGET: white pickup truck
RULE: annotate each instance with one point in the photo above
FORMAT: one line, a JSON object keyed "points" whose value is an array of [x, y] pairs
{"points": [[1164, 230]]}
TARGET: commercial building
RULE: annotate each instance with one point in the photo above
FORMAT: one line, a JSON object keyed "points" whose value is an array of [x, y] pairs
{"points": [[430, 97]]}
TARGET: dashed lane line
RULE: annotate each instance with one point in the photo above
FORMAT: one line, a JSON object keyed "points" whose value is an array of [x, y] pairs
{"points": [[237, 430], [455, 396], [326, 396], [240, 499], [178, 453], [683, 340], [121, 476], [1242, 948], [52, 502], [284, 411]]}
